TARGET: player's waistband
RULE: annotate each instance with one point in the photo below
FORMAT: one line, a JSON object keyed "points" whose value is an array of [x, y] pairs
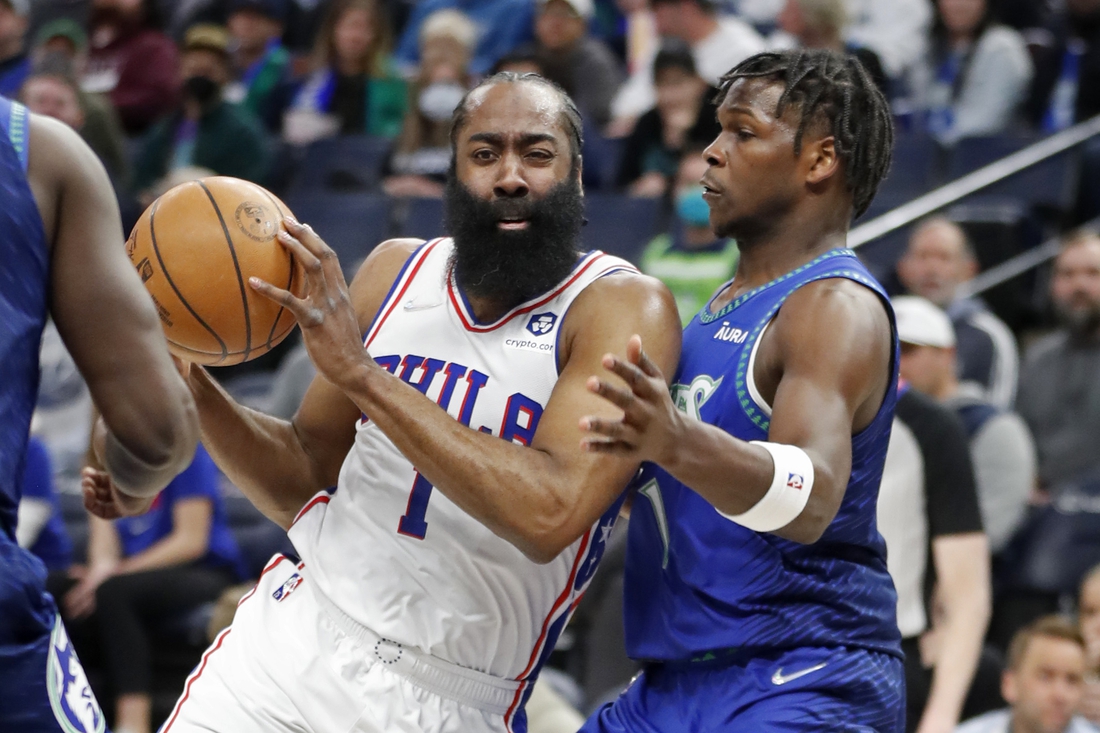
{"points": [[466, 686]]}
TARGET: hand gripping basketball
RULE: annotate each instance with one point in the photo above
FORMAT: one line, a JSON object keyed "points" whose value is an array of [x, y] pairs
{"points": [[330, 327]]}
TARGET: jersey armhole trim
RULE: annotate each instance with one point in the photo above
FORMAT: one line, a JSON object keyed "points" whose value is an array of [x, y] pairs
{"points": [[18, 134], [399, 282]]}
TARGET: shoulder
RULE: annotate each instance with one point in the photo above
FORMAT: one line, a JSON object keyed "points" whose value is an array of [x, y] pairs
{"points": [[834, 309], [1003, 43], [371, 284], [626, 291], [992, 722], [1045, 349]]}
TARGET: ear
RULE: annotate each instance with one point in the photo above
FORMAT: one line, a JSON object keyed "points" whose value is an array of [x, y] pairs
{"points": [[821, 158], [1009, 689]]}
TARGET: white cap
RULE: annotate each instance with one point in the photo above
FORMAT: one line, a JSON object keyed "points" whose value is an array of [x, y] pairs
{"points": [[923, 323], [584, 8]]}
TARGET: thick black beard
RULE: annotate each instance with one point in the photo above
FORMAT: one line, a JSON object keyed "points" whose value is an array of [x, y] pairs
{"points": [[514, 266]]}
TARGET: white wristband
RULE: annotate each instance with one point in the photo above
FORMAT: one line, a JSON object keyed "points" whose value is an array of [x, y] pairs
{"points": [[792, 481]]}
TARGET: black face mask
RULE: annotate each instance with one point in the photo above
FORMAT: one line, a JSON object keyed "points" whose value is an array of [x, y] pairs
{"points": [[201, 89], [514, 266]]}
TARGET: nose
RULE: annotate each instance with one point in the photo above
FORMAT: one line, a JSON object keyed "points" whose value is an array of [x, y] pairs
{"points": [[712, 155], [510, 182]]}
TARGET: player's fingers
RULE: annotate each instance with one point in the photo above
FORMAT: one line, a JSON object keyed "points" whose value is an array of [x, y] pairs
{"points": [[310, 261], [285, 298], [614, 429], [621, 398], [638, 355], [304, 233], [610, 447], [637, 379]]}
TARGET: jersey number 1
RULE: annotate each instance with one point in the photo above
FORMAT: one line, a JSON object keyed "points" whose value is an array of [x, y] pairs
{"points": [[412, 522]]}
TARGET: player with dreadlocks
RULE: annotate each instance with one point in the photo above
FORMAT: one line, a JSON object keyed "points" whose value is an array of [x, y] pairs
{"points": [[756, 583]]}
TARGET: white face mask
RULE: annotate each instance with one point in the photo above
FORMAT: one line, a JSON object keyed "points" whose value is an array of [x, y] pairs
{"points": [[438, 101]]}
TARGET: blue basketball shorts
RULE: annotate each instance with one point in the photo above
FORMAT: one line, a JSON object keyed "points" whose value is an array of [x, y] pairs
{"points": [[44, 689], [814, 689]]}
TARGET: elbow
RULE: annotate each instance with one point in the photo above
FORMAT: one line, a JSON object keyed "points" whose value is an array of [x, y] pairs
{"points": [[542, 537]]}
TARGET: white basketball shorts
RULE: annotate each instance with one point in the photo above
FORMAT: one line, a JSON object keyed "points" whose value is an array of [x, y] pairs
{"points": [[286, 665]]}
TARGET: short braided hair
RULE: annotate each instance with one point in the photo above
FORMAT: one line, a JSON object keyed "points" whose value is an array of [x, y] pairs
{"points": [[835, 90], [571, 116]]}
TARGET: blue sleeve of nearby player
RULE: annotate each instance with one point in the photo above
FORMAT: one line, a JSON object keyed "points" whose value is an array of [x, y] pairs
{"points": [[37, 471], [200, 479]]}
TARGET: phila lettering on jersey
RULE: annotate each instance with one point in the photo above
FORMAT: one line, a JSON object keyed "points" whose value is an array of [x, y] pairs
{"points": [[401, 558]]}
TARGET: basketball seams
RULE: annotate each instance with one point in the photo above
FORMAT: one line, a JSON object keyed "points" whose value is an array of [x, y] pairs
{"points": [[237, 268], [176, 290], [290, 278]]}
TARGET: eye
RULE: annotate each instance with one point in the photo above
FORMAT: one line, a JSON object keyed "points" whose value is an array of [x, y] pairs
{"points": [[483, 154], [744, 134], [540, 155]]}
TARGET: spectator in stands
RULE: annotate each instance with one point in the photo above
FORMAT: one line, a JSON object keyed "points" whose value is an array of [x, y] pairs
{"points": [[938, 260], [975, 76], [821, 24], [39, 527], [142, 570], [14, 62], [422, 154], [1001, 448], [523, 61], [897, 30], [353, 89], [52, 90], [928, 510], [261, 65], [500, 26], [584, 66], [205, 131], [1059, 385], [1088, 619], [132, 62], [62, 37], [688, 258], [1067, 68], [717, 43], [1043, 683], [684, 114]]}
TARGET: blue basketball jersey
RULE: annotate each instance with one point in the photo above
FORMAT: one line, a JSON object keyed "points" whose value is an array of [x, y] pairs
{"points": [[24, 280], [697, 585]]}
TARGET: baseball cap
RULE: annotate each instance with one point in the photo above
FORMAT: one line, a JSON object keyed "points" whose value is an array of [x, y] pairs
{"points": [[275, 9], [62, 28], [923, 323], [207, 37], [584, 8]]}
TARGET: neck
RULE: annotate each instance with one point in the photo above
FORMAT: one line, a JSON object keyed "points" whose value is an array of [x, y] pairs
{"points": [[349, 67], [959, 41], [488, 309], [826, 40], [192, 110], [11, 48], [793, 241], [248, 56], [948, 388], [697, 237], [699, 28]]}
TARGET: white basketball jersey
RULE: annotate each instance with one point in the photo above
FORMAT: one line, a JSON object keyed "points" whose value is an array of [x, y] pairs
{"points": [[398, 556]]}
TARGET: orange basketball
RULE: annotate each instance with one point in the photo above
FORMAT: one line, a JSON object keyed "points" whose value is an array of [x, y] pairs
{"points": [[195, 249]]}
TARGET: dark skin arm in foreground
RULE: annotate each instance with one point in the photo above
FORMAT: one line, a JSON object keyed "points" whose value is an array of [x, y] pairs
{"points": [[104, 315], [823, 365], [540, 498]]}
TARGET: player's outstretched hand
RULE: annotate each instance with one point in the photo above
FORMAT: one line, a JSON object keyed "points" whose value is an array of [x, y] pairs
{"points": [[650, 427], [330, 328], [103, 499]]}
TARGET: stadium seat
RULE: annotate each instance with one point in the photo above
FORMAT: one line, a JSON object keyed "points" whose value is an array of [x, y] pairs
{"points": [[620, 225], [913, 171], [345, 163], [351, 223], [1050, 184], [421, 218]]}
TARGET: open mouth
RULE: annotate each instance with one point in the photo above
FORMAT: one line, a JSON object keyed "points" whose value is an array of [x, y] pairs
{"points": [[512, 224], [708, 190]]}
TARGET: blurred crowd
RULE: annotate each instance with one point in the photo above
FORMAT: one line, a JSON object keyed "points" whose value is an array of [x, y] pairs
{"points": [[990, 503]]}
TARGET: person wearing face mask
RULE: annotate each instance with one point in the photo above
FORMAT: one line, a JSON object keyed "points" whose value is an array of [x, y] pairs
{"points": [[421, 157], [689, 258], [205, 131], [353, 88]]}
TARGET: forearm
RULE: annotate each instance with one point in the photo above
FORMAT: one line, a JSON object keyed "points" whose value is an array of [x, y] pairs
{"points": [[262, 455], [175, 549], [103, 545], [960, 650], [514, 490]]}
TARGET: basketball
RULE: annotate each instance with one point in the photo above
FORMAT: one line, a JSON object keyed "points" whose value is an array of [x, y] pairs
{"points": [[195, 248]]}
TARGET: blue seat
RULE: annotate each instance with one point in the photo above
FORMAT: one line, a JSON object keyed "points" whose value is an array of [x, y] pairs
{"points": [[914, 167], [352, 224], [421, 218], [345, 163], [1051, 183], [620, 225]]}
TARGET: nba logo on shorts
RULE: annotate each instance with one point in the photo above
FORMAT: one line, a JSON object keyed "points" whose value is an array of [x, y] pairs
{"points": [[74, 705], [542, 323], [794, 481], [288, 587]]}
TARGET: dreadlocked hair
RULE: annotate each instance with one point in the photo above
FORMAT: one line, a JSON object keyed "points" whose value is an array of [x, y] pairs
{"points": [[834, 90]]}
